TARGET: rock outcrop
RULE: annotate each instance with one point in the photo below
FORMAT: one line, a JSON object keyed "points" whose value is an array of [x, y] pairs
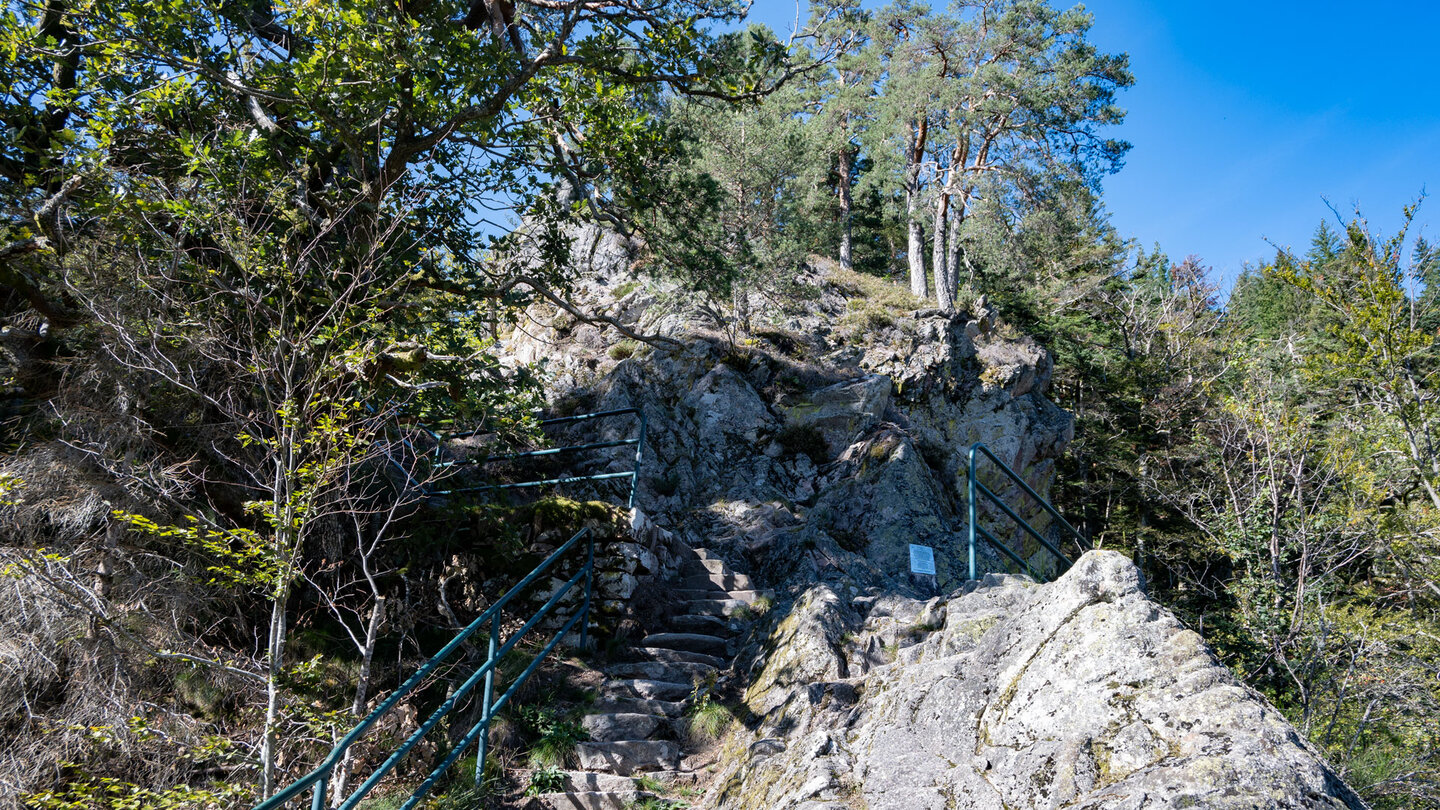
{"points": [[1078, 694], [811, 453], [824, 442]]}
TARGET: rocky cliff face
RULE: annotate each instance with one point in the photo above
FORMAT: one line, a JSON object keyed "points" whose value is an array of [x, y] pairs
{"points": [[823, 443]]}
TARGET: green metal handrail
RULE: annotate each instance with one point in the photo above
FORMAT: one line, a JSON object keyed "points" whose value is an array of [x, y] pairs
{"points": [[976, 530], [633, 474], [318, 779]]}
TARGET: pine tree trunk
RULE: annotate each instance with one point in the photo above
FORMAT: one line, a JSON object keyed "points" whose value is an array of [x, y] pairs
{"points": [[915, 253], [846, 163], [944, 292]]}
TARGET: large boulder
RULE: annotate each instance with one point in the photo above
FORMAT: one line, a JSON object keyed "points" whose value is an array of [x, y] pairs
{"points": [[1079, 694], [843, 410]]}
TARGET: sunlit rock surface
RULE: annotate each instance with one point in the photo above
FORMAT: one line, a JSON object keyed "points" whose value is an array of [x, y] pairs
{"points": [[1078, 694]]}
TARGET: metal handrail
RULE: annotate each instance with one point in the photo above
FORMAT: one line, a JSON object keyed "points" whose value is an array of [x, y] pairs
{"points": [[633, 474], [976, 488], [319, 778]]}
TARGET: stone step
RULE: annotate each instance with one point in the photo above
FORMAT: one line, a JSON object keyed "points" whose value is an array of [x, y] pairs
{"points": [[689, 642], [589, 800], [622, 726], [588, 782], [695, 623], [624, 705], [710, 581], [699, 554], [692, 568], [669, 656], [749, 597], [671, 780], [716, 607], [646, 689], [662, 671], [628, 757]]}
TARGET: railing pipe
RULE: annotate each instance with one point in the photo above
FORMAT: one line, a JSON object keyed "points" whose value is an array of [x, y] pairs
{"points": [[639, 456], [1024, 524], [1004, 549], [1013, 476], [317, 801], [481, 730], [323, 770], [489, 695], [450, 703], [549, 451], [524, 484], [319, 777], [975, 489], [974, 522]]}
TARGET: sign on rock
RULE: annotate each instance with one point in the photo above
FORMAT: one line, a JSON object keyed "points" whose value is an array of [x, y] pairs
{"points": [[922, 560]]}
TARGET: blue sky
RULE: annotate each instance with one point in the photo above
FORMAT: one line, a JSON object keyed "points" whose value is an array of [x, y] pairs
{"points": [[1246, 117]]}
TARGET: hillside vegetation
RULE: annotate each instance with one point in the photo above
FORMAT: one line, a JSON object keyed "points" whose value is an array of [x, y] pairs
{"points": [[247, 248]]}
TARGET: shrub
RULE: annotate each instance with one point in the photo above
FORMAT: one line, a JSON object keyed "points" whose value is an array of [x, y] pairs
{"points": [[623, 350], [557, 736], [547, 779], [708, 720]]}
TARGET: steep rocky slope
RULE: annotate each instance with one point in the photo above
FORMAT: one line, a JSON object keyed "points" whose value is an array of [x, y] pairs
{"points": [[811, 452], [825, 441]]}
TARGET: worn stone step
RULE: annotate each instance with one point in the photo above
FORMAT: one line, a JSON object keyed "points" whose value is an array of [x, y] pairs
{"points": [[699, 554], [662, 670], [629, 705], [749, 597], [695, 623], [621, 726], [709, 581], [646, 689], [675, 779], [690, 642], [670, 656], [694, 567], [686, 594], [590, 800], [629, 756], [590, 782], [716, 607]]}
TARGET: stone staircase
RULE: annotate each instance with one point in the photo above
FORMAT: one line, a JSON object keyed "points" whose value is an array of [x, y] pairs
{"points": [[637, 726]]}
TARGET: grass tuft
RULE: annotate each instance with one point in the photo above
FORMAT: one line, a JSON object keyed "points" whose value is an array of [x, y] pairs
{"points": [[707, 719]]}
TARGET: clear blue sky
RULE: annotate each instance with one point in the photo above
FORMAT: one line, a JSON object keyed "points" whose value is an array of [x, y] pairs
{"points": [[1247, 116]]}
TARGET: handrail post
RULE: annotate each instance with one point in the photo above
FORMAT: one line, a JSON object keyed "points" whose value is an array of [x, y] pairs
{"points": [[483, 747], [317, 802], [970, 498], [589, 588], [639, 456]]}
